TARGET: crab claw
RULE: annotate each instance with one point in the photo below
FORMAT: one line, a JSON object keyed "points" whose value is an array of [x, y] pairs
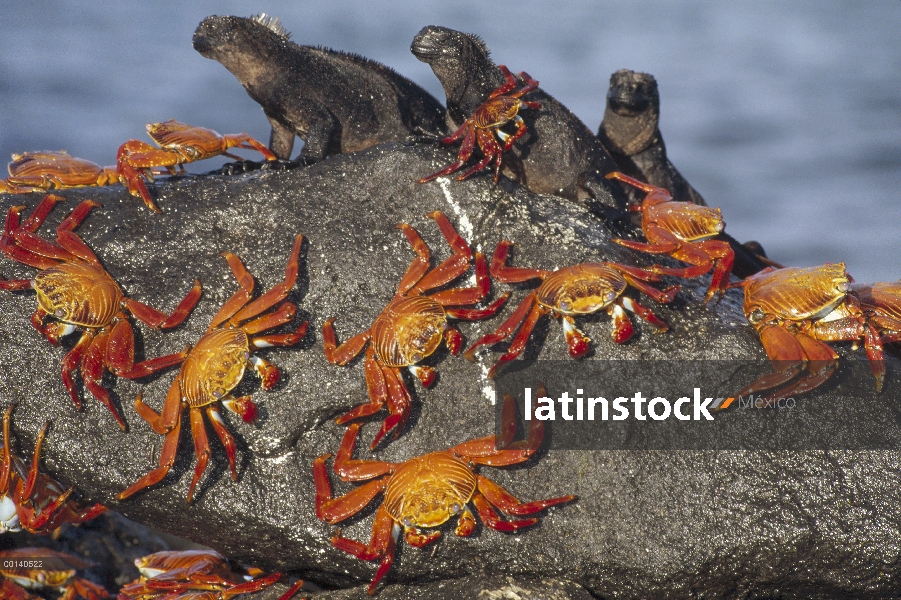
{"points": [[425, 375], [577, 341], [453, 340], [243, 406], [269, 373]]}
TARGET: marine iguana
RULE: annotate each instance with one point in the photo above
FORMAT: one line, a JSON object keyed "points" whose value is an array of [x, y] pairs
{"points": [[336, 102], [630, 131], [558, 155]]}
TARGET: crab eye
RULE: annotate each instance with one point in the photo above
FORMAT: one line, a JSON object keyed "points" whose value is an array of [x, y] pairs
{"points": [[756, 315], [60, 313], [610, 296], [455, 508], [416, 357], [407, 522], [564, 305]]}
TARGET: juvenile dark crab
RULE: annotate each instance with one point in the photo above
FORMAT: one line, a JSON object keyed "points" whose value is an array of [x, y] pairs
{"points": [[57, 572], [501, 107], [795, 310], [426, 491], [180, 143], [47, 170], [31, 500], [76, 291], [215, 365], [682, 230], [412, 326], [576, 290]]}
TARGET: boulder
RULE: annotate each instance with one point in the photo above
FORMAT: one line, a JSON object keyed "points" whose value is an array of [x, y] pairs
{"points": [[646, 524]]}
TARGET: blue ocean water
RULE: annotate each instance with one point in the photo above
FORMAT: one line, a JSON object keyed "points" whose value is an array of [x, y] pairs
{"points": [[786, 115]]}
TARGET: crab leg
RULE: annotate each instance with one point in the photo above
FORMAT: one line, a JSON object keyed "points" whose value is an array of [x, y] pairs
{"points": [[494, 520], [343, 354], [491, 150], [644, 312], [70, 241], [419, 265], [510, 504], [454, 266], [15, 285], [474, 314], [167, 459], [519, 342], [71, 362], [277, 292], [335, 510], [500, 271], [785, 353], [160, 320], [382, 545], [201, 448], [507, 327], [398, 403], [33, 472], [469, 295], [6, 466], [463, 155], [228, 441], [283, 314], [377, 391], [92, 372], [241, 296]]}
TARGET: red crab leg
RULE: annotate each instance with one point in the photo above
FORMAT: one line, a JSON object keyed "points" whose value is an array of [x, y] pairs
{"points": [[281, 339], [242, 140], [787, 355], [92, 373], [149, 367], [281, 315], [643, 312], [463, 155], [419, 265], [578, 343], [278, 292], [6, 466], [225, 436], [349, 469], [39, 521], [71, 241], [335, 510], [474, 314], [657, 248], [27, 257], [656, 195], [343, 354], [292, 590], [15, 285], [375, 386], [491, 150], [455, 265], [33, 472], [382, 545], [507, 86], [201, 448], [130, 176], [507, 327], [36, 219], [522, 337], [241, 296], [500, 271], [72, 361], [82, 588], [724, 258], [161, 423], [398, 405], [160, 320], [493, 520], [510, 504], [167, 454], [661, 296], [471, 295]]}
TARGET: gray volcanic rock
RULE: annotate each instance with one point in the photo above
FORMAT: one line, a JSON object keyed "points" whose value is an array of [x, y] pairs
{"points": [[646, 524]]}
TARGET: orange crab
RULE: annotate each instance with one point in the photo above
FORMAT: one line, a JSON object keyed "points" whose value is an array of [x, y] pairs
{"points": [[576, 290], [194, 575], [427, 491], [795, 310], [76, 291], [56, 571], [216, 365], [682, 230], [412, 326], [37, 171], [31, 500], [180, 143], [501, 107]]}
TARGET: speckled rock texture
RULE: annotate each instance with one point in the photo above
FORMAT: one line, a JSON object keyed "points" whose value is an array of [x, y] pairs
{"points": [[647, 524]]}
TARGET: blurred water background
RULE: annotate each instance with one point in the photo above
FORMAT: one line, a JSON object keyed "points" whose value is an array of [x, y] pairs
{"points": [[785, 114]]}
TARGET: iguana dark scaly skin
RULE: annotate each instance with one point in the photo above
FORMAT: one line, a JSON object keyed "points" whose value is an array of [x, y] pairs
{"points": [[336, 102], [559, 155], [630, 131]]}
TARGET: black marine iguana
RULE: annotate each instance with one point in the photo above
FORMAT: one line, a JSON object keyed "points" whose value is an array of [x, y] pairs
{"points": [[630, 131], [558, 155], [336, 102]]}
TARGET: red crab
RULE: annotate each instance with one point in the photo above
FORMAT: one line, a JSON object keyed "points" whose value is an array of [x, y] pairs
{"points": [[576, 290], [795, 310], [215, 365], [426, 491], [57, 571], [181, 143], [31, 500], [412, 326], [194, 575], [682, 230], [36, 171], [501, 107], [76, 291]]}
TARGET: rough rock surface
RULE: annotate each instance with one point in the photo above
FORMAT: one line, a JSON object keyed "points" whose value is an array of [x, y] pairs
{"points": [[647, 524]]}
